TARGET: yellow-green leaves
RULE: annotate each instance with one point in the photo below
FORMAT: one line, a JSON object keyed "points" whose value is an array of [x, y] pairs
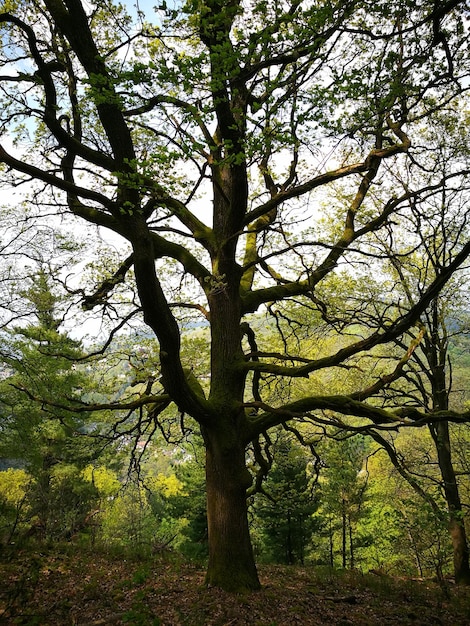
{"points": [[14, 485]]}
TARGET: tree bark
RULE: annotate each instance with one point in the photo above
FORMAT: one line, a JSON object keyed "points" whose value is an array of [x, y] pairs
{"points": [[231, 563], [289, 550], [331, 546], [440, 434], [437, 354], [352, 563], [414, 547], [344, 543]]}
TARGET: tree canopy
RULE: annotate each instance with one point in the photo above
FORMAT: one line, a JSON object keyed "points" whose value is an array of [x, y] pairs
{"points": [[255, 159]]}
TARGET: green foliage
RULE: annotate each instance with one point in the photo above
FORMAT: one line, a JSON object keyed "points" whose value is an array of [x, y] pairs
{"points": [[14, 506], [343, 491], [103, 479], [128, 520], [400, 533], [14, 485], [137, 515], [284, 521], [194, 541], [320, 137], [49, 441]]}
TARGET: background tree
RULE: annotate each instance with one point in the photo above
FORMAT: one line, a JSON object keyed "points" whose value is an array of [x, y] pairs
{"points": [[343, 484], [207, 141], [400, 533], [435, 392], [424, 380], [14, 506], [428, 382], [52, 445], [194, 543], [284, 512]]}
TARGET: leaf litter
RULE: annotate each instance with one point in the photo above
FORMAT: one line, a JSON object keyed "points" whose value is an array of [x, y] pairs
{"points": [[82, 588]]}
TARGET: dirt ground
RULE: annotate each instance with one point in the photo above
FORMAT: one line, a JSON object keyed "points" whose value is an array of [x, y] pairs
{"points": [[85, 589]]}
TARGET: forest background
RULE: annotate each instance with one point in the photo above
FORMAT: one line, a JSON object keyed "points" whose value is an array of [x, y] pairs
{"points": [[333, 500], [273, 277]]}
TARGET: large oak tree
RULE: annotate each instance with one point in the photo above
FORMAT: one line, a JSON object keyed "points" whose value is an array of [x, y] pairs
{"points": [[253, 148]]}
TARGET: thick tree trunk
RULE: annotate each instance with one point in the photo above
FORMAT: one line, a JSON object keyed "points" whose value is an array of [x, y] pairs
{"points": [[460, 550], [231, 561]]}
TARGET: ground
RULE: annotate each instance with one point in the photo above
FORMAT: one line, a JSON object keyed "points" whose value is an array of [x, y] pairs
{"points": [[90, 589]]}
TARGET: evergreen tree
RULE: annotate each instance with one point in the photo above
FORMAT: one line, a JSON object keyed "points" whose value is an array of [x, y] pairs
{"points": [[343, 484], [49, 442], [284, 511]]}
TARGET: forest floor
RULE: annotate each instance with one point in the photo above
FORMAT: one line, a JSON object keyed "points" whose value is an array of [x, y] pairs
{"points": [[91, 589]]}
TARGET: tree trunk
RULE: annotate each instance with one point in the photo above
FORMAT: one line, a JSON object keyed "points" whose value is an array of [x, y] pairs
{"points": [[231, 561], [460, 549], [352, 562], [440, 434], [437, 355], [414, 547], [290, 549], [330, 537], [344, 542]]}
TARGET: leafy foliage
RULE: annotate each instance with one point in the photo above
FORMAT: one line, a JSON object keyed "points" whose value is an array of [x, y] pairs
{"points": [[284, 514], [256, 158]]}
